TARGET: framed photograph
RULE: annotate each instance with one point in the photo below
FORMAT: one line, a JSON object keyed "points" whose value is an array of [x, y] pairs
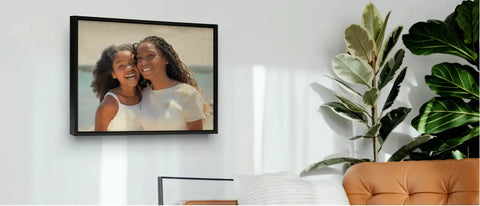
{"points": [[179, 190], [141, 77]]}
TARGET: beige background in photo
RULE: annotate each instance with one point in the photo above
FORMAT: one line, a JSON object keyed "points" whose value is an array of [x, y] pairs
{"points": [[194, 45]]}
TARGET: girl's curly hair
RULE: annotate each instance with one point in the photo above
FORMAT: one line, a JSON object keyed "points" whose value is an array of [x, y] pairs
{"points": [[176, 69], [102, 74]]}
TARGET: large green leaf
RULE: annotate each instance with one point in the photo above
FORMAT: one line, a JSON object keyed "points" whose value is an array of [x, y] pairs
{"points": [[371, 96], [432, 145], [344, 112], [328, 162], [345, 86], [433, 36], [453, 80], [372, 20], [452, 24], [395, 90], [440, 114], [389, 44], [467, 20], [390, 68], [352, 70], [370, 133], [381, 35], [454, 142], [352, 106], [391, 120], [359, 42], [401, 153]]}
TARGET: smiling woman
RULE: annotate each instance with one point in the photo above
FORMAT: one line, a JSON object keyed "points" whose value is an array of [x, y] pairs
{"points": [[171, 100]]}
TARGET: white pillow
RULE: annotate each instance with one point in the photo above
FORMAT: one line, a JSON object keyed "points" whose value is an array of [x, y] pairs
{"points": [[286, 188]]}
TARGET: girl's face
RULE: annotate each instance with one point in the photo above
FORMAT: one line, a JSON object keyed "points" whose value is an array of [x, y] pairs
{"points": [[150, 61], [125, 70]]}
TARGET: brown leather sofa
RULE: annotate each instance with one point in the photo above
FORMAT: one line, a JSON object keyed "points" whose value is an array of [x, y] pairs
{"points": [[430, 182], [436, 182]]}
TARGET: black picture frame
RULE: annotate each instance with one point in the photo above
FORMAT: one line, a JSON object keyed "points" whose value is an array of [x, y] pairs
{"points": [[160, 181], [90, 35]]}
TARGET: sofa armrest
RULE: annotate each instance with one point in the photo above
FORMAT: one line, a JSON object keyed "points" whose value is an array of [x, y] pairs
{"points": [[211, 202]]}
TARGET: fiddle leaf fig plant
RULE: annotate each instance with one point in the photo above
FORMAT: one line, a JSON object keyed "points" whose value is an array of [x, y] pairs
{"points": [[452, 116], [365, 64]]}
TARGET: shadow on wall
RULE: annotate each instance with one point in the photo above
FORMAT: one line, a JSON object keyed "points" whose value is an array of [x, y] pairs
{"points": [[391, 144], [342, 127], [339, 125]]}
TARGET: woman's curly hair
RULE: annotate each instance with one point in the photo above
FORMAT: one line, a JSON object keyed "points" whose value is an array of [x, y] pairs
{"points": [[176, 69], [102, 74]]}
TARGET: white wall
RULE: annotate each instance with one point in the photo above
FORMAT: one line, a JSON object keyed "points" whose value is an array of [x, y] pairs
{"points": [[40, 163]]}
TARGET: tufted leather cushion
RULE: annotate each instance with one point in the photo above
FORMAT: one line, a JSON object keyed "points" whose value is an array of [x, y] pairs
{"points": [[413, 182]]}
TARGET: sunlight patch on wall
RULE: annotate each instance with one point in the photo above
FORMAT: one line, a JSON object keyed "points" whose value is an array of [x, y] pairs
{"points": [[113, 171], [258, 81]]}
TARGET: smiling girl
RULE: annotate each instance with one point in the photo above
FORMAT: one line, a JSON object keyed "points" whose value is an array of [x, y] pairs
{"points": [[115, 84]]}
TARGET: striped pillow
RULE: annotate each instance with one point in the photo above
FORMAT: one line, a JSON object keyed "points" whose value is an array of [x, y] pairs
{"points": [[286, 188]]}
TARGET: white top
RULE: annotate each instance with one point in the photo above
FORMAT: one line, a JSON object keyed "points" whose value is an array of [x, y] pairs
{"points": [[170, 108], [127, 117]]}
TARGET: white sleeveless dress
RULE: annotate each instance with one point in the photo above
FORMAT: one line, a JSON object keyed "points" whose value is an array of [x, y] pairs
{"points": [[127, 117]]}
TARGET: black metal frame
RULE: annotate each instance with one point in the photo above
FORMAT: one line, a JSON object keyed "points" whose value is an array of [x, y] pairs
{"points": [[160, 184], [74, 75]]}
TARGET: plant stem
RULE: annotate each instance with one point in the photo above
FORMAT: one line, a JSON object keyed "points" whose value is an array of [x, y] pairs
{"points": [[374, 111], [374, 139]]}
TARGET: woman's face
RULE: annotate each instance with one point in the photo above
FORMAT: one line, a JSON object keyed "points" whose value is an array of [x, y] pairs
{"points": [[150, 61], [124, 69]]}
